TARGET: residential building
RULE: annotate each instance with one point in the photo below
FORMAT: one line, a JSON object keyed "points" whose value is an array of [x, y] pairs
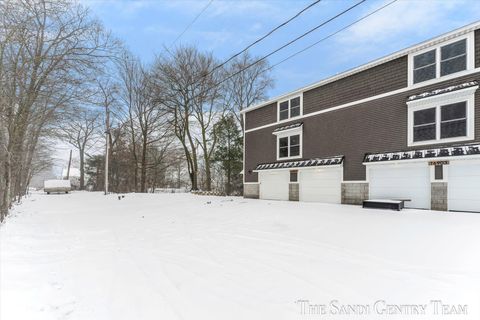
{"points": [[406, 126]]}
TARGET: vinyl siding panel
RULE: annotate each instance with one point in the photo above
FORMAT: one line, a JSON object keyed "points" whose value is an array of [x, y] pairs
{"points": [[375, 126], [386, 77], [261, 116]]}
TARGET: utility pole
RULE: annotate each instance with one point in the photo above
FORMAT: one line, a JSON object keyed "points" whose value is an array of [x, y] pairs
{"points": [[107, 145], [69, 163]]}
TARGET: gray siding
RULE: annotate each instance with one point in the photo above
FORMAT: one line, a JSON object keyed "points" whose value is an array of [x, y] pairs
{"points": [[375, 126], [384, 78]]}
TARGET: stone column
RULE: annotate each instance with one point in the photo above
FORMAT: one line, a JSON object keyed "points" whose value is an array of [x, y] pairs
{"points": [[439, 196], [251, 190], [293, 191], [354, 192]]}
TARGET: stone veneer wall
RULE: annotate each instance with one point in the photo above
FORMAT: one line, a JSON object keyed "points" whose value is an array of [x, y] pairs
{"points": [[354, 192], [251, 190], [439, 196], [293, 191]]}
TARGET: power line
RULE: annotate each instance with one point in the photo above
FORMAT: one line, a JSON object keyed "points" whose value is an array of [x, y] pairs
{"points": [[330, 35], [192, 22], [264, 36], [287, 44]]}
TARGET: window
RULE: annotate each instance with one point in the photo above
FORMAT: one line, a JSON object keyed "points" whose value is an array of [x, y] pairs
{"points": [[294, 145], [454, 120], [442, 60], [284, 110], [283, 147], [293, 175], [424, 67], [439, 172], [289, 147], [454, 57], [452, 124], [447, 117], [290, 108], [424, 124]]}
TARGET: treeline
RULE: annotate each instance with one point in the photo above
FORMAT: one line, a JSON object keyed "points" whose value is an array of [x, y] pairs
{"points": [[172, 123]]}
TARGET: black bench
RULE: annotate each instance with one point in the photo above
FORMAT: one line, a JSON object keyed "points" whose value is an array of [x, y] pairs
{"points": [[393, 204]]}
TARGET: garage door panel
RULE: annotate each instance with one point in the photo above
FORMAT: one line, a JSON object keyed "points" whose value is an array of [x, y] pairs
{"points": [[274, 185], [401, 181], [321, 185], [464, 185]]}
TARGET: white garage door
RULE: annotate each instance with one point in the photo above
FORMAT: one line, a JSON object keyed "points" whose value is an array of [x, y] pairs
{"points": [[401, 181], [464, 185], [274, 184], [321, 185]]}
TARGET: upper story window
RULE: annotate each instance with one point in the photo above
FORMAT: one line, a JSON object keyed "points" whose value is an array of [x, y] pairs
{"points": [[452, 122], [289, 147], [445, 118], [289, 143], [446, 58], [290, 108]]}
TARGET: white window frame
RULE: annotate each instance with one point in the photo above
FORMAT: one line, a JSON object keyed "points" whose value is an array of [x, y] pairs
{"points": [[288, 133], [289, 108], [445, 173], [467, 95], [470, 51]]}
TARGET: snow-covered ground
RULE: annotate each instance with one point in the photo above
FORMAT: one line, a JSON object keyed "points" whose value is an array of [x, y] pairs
{"points": [[179, 256]]}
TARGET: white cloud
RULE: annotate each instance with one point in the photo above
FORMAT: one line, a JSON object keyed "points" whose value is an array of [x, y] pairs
{"points": [[405, 17], [228, 8]]}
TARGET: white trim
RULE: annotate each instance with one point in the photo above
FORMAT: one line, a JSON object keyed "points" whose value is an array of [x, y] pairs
{"points": [[437, 102], [380, 96], [288, 134], [251, 182], [470, 51], [288, 99], [451, 158], [415, 48], [445, 173], [302, 168], [354, 181]]}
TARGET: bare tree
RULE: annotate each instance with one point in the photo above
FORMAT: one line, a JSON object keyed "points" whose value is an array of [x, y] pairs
{"points": [[81, 131], [49, 49], [249, 86], [186, 86], [147, 119]]}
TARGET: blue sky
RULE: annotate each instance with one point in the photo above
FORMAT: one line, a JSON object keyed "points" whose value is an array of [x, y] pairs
{"points": [[228, 26]]}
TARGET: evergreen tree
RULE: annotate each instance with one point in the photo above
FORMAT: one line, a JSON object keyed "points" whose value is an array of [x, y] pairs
{"points": [[229, 152]]}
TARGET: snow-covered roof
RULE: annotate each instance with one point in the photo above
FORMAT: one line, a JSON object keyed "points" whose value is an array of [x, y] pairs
{"points": [[443, 90], [290, 126], [317, 162], [56, 184], [460, 150], [415, 48]]}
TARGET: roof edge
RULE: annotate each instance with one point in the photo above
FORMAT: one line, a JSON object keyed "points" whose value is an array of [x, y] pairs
{"points": [[398, 54]]}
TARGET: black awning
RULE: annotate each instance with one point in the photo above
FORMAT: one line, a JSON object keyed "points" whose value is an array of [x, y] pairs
{"points": [[317, 162], [287, 127], [442, 91], [454, 151]]}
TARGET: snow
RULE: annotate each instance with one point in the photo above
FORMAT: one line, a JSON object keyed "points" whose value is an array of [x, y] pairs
{"points": [[384, 200], [443, 90], [74, 172], [181, 256], [57, 184]]}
